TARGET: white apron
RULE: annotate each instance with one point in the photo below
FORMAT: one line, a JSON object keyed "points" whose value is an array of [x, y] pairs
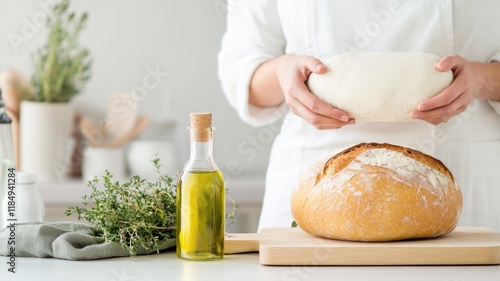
{"points": [[326, 28], [469, 144]]}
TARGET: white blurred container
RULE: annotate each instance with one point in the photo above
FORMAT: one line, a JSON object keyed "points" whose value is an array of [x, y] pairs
{"points": [[45, 139], [29, 205], [141, 152], [96, 160]]}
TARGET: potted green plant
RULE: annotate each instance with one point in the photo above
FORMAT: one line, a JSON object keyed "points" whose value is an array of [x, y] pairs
{"points": [[60, 69]]}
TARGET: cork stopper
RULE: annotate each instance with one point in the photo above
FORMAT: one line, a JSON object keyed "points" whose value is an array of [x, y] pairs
{"points": [[201, 126], [201, 120]]}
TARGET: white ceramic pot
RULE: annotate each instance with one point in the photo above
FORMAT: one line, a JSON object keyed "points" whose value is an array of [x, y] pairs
{"points": [[141, 152], [29, 205], [96, 160], [45, 139]]}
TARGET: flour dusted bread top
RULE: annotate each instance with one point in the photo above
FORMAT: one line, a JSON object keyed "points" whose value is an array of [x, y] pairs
{"points": [[377, 192], [379, 86]]}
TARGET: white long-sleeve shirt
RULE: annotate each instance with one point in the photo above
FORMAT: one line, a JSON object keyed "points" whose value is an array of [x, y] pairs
{"points": [[469, 144]]}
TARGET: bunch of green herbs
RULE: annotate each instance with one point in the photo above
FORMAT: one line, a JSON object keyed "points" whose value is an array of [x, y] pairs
{"points": [[135, 214], [61, 67]]}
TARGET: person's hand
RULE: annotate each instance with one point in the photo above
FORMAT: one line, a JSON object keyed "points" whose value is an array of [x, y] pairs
{"points": [[455, 98], [292, 73]]}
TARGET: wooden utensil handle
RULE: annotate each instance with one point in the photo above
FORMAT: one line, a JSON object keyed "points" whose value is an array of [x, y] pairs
{"points": [[236, 243]]}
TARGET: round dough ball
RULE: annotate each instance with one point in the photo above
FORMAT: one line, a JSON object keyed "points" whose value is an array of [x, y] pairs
{"points": [[377, 192], [379, 86]]}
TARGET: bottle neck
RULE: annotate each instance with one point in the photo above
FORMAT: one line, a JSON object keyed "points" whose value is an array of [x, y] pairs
{"points": [[201, 148], [4, 118]]}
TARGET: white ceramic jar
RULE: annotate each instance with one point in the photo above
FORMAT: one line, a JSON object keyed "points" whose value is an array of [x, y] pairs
{"points": [[45, 139], [29, 205], [96, 160], [141, 152]]}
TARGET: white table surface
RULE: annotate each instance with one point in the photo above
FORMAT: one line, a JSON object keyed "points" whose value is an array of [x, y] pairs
{"points": [[166, 266]]}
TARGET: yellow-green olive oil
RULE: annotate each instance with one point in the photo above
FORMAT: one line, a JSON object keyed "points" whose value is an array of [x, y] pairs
{"points": [[201, 205]]}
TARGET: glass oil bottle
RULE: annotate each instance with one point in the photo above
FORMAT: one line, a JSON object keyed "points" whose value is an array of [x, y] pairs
{"points": [[201, 196], [7, 165]]}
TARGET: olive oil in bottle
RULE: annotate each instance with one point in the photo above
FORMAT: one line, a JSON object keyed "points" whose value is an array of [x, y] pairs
{"points": [[201, 196]]}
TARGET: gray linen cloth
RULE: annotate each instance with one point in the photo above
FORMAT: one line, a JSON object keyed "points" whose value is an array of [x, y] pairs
{"points": [[64, 240]]}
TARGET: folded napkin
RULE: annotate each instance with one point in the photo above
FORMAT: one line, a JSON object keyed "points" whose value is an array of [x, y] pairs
{"points": [[65, 240]]}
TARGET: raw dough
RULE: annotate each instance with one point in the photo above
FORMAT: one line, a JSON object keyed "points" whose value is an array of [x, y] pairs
{"points": [[380, 86]]}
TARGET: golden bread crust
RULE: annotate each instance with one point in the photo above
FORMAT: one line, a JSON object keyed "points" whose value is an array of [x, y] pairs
{"points": [[377, 192]]}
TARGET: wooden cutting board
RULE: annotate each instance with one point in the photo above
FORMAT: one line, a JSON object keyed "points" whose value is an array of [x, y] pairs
{"points": [[293, 246]]}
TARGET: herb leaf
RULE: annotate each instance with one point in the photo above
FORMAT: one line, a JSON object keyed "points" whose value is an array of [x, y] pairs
{"points": [[135, 214]]}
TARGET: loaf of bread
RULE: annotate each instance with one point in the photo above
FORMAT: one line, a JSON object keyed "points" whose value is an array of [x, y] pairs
{"points": [[377, 192], [379, 86]]}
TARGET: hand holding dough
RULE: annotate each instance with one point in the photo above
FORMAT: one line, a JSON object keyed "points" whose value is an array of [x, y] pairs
{"points": [[379, 86]]}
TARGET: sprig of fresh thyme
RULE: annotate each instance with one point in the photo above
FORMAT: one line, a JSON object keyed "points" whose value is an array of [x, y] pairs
{"points": [[135, 214]]}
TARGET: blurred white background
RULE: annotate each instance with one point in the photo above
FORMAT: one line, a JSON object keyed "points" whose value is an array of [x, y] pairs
{"points": [[131, 39]]}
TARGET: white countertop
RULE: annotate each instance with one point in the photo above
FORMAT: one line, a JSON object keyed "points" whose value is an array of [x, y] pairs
{"points": [[166, 266]]}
